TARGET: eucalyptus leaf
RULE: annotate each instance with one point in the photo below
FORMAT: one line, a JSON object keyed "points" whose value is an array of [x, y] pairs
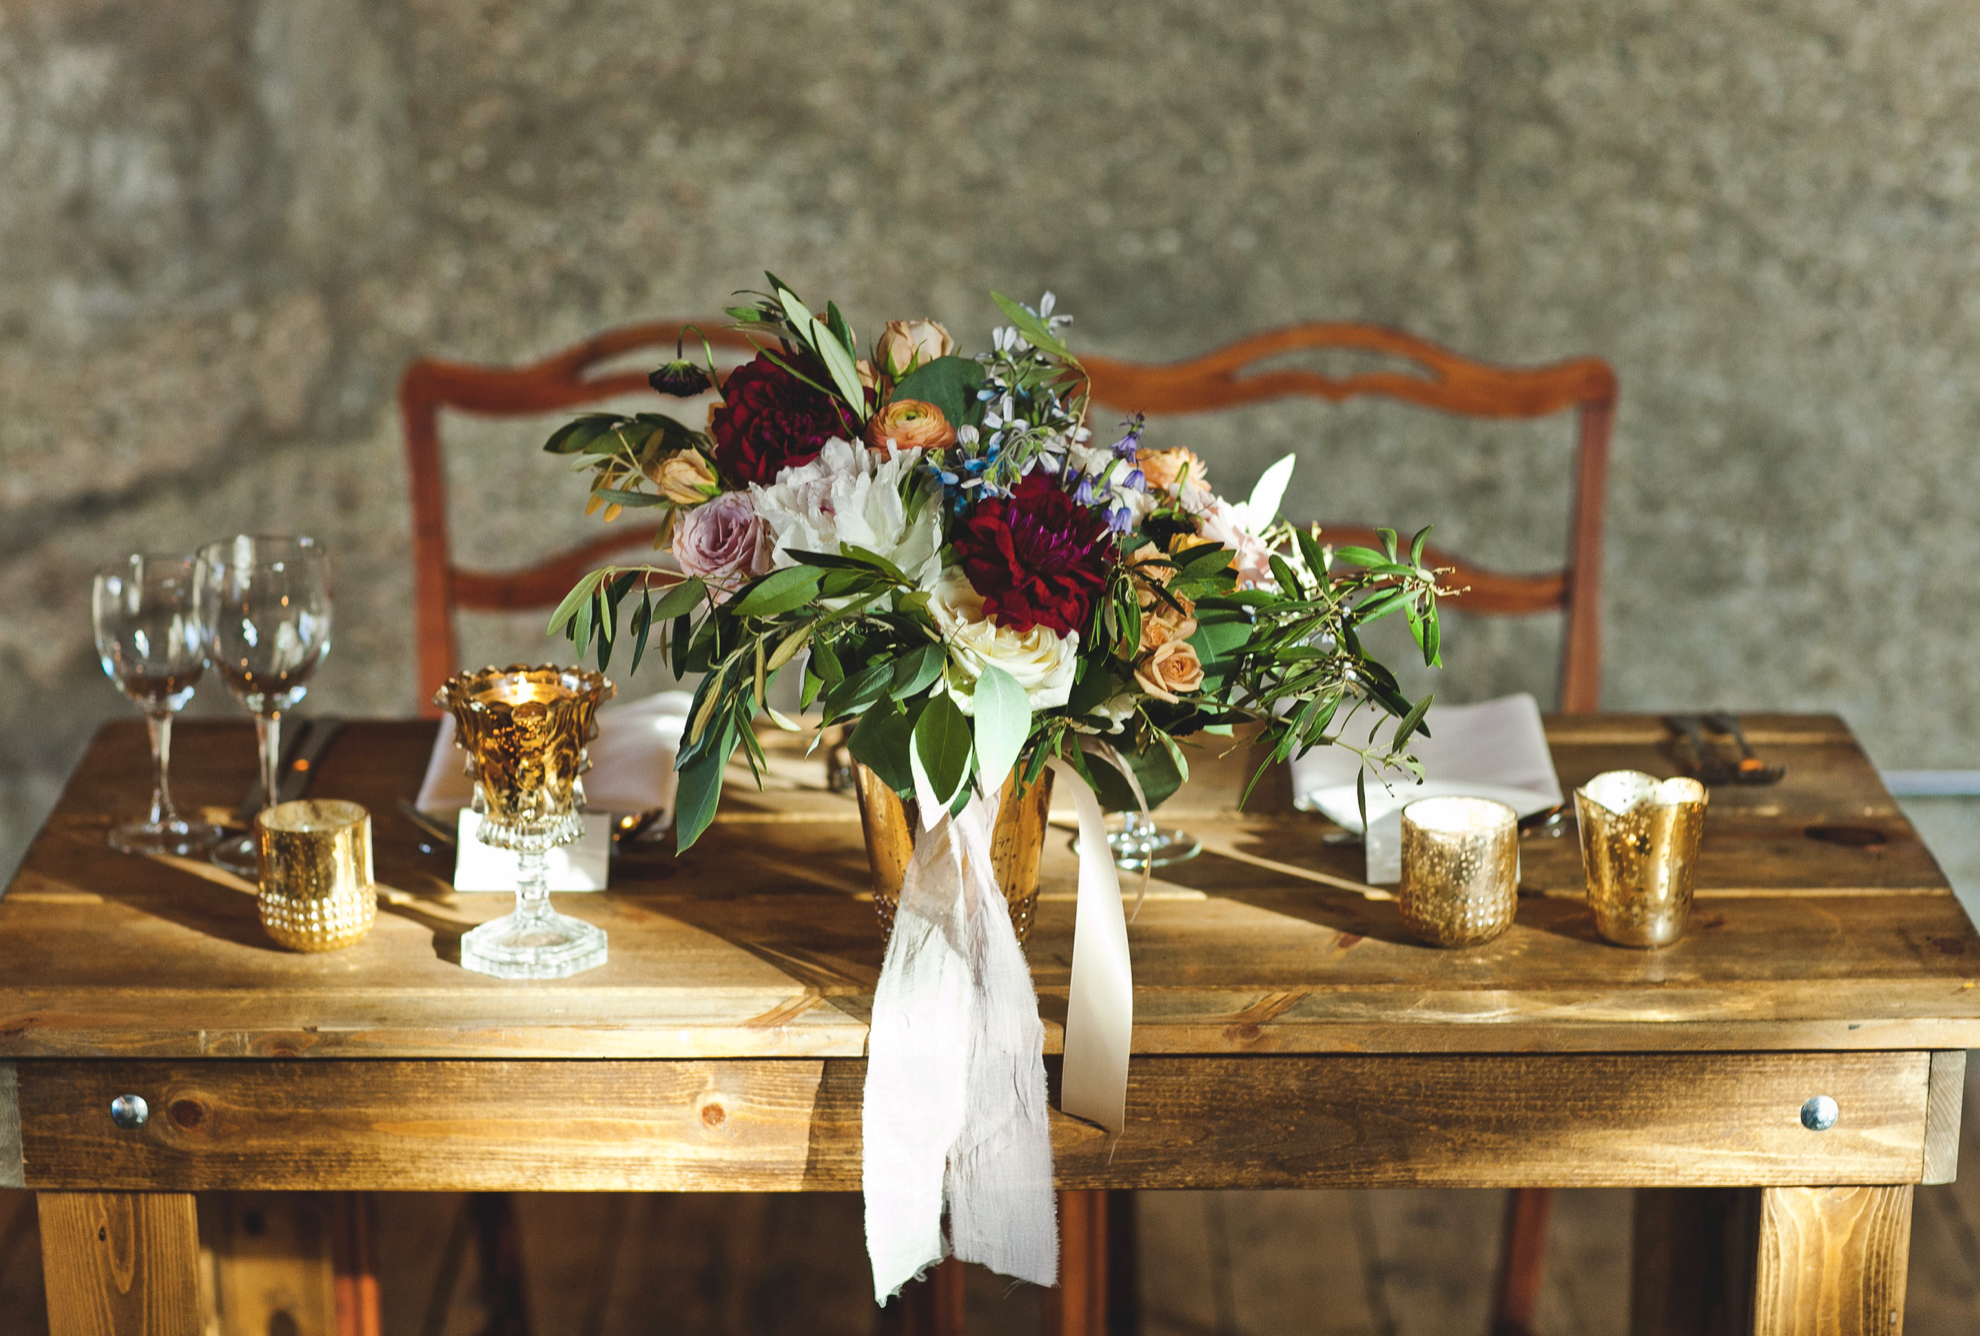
{"points": [[881, 742], [915, 670], [950, 383], [1003, 722], [942, 742]]}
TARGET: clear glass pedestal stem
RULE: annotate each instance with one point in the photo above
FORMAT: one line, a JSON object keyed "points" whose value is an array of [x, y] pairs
{"points": [[238, 855], [535, 941], [163, 831], [1139, 843]]}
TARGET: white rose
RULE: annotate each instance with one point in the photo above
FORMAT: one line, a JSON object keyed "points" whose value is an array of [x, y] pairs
{"points": [[1040, 660], [850, 494]]}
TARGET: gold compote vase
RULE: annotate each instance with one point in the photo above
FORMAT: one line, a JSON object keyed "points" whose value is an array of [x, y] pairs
{"points": [[1017, 839], [524, 731]]}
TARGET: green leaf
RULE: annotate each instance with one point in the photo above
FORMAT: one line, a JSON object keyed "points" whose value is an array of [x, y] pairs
{"points": [[881, 741], [1003, 722], [580, 595], [1411, 722], [779, 591], [700, 788], [617, 496], [1204, 560], [1388, 537], [838, 359], [860, 690], [826, 660], [950, 383], [1360, 556], [681, 599], [942, 742], [914, 670], [1035, 330], [574, 436], [642, 622], [1416, 546]]}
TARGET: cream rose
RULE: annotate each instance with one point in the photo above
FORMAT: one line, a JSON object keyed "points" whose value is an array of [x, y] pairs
{"points": [[685, 477], [906, 344], [1171, 672], [1040, 660]]}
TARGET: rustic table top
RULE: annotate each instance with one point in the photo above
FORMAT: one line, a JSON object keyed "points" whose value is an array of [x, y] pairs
{"points": [[1822, 924]]}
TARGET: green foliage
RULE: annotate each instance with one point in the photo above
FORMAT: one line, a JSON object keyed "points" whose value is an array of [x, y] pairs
{"points": [[950, 383]]}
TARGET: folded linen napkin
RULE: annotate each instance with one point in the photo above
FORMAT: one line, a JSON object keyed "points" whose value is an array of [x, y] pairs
{"points": [[632, 759], [1495, 749]]}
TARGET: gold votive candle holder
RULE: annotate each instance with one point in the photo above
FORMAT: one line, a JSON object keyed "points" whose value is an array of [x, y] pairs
{"points": [[316, 885], [1639, 854], [1460, 870]]}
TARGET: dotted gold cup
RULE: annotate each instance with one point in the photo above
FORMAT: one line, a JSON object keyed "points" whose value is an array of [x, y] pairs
{"points": [[1460, 870], [1639, 853], [316, 885]]}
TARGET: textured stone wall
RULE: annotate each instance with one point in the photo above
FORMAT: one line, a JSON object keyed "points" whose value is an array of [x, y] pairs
{"points": [[225, 226]]}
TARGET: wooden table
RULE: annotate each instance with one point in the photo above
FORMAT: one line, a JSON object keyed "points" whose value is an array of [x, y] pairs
{"points": [[1288, 1032]]}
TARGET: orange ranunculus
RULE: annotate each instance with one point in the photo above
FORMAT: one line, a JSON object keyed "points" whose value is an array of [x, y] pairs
{"points": [[1171, 672], [906, 344], [910, 424], [1165, 468]]}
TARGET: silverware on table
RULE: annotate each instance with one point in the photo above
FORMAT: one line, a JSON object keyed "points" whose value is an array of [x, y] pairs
{"points": [[1704, 762], [306, 759], [1750, 769]]}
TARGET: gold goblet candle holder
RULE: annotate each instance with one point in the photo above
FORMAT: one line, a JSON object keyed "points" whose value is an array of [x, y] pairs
{"points": [[524, 731], [1460, 870], [1639, 852]]}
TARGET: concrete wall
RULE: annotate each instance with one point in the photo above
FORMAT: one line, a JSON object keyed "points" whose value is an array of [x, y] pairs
{"points": [[226, 225]]}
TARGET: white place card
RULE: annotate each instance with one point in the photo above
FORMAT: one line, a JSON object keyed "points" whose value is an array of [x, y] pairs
{"points": [[583, 866]]}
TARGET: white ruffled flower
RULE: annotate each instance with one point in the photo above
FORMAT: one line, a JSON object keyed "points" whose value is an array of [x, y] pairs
{"points": [[1219, 522], [1040, 660], [850, 494]]}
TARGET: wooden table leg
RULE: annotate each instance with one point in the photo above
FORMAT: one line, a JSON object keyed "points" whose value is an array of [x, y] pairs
{"points": [[1522, 1260], [930, 1307], [1832, 1261], [1692, 1271], [1078, 1307], [120, 1263]]}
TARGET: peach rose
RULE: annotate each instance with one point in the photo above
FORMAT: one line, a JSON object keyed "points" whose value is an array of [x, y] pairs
{"points": [[684, 477], [1164, 468], [906, 344], [869, 375], [1158, 628], [1171, 672], [910, 424]]}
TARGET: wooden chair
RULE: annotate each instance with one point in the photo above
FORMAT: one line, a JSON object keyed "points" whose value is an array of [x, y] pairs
{"points": [[564, 380], [1449, 383]]}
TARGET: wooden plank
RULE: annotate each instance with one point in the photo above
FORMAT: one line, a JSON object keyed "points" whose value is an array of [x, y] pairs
{"points": [[1944, 1097], [1832, 1261], [12, 1174], [272, 1260], [788, 1125], [120, 1263], [757, 943]]}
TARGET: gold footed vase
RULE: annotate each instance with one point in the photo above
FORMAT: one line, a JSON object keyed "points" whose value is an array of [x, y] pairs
{"points": [[1016, 842]]}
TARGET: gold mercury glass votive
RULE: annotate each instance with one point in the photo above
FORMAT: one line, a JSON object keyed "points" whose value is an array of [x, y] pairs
{"points": [[1639, 853], [316, 886], [1460, 869]]}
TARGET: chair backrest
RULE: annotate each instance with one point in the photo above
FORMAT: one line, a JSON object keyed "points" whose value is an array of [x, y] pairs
{"points": [[1451, 384], [564, 380]]}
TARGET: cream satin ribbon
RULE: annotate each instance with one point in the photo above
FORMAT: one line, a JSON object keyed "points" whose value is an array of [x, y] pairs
{"points": [[1100, 1010]]}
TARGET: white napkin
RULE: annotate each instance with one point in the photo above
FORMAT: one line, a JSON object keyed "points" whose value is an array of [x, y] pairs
{"points": [[632, 759], [1495, 749]]}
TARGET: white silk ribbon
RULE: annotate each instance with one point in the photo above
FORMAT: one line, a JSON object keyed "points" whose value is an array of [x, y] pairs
{"points": [[955, 1105], [1100, 1010]]}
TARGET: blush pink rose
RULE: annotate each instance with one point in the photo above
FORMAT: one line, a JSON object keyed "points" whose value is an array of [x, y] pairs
{"points": [[723, 542]]}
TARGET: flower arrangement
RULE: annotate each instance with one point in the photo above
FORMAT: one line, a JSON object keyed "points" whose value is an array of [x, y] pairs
{"points": [[966, 576]]}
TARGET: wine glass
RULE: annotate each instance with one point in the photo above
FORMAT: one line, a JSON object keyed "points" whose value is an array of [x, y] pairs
{"points": [[148, 639], [264, 611]]}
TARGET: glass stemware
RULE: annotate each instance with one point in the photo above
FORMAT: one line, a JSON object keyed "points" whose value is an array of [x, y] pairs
{"points": [[524, 731], [148, 639], [1139, 843], [264, 610]]}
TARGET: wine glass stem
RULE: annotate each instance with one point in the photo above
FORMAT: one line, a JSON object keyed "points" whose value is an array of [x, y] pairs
{"points": [[268, 733], [532, 884], [160, 725]]}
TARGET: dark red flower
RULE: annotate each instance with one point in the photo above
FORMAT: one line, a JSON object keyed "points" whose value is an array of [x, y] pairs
{"points": [[1037, 557], [769, 420]]}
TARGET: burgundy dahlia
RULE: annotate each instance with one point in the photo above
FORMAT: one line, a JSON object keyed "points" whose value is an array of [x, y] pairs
{"points": [[769, 420], [1037, 557]]}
